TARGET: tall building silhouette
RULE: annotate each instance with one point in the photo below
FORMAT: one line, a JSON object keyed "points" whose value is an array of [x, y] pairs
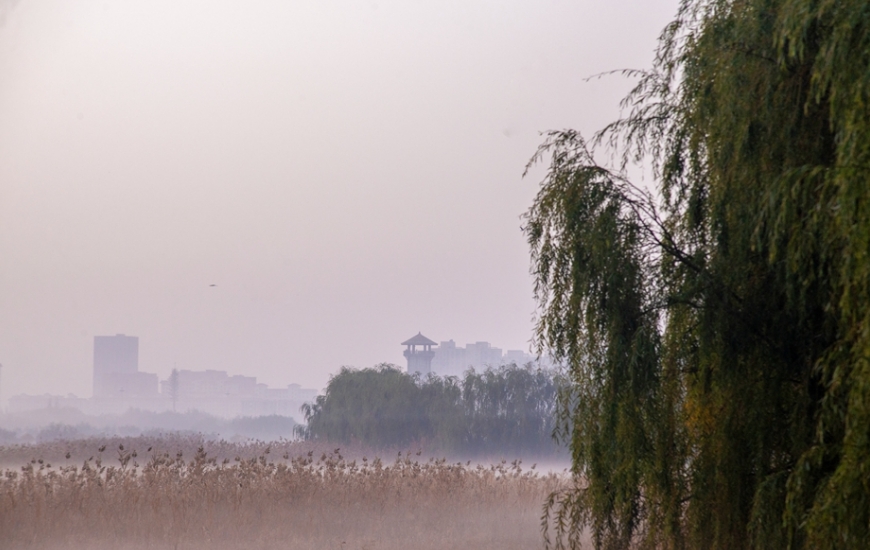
{"points": [[116, 369], [118, 353]]}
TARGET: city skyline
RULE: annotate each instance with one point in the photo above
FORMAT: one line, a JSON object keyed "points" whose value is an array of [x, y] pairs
{"points": [[288, 186], [119, 386], [118, 383]]}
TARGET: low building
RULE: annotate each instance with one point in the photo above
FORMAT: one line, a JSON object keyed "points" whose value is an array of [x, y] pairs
{"points": [[28, 403], [216, 392], [452, 360]]}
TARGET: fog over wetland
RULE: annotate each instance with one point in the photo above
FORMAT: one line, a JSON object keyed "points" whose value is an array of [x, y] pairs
{"points": [[276, 190], [347, 173]]}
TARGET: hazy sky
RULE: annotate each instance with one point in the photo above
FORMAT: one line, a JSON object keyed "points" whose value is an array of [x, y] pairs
{"points": [[346, 172]]}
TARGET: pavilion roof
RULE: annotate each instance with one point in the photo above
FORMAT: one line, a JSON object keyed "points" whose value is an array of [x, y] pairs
{"points": [[419, 340]]}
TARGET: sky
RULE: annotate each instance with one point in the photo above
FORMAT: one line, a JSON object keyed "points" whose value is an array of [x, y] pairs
{"points": [[279, 188]]}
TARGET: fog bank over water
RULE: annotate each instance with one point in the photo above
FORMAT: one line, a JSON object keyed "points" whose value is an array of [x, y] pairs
{"points": [[69, 424], [277, 189]]}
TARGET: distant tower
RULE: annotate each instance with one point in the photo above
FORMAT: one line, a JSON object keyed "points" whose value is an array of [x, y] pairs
{"points": [[419, 360]]}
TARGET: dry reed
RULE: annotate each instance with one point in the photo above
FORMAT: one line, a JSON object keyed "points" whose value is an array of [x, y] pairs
{"points": [[150, 498]]}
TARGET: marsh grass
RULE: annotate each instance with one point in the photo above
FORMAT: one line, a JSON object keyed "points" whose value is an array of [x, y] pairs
{"points": [[128, 496]]}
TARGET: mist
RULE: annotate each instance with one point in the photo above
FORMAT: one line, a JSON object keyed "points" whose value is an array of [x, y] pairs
{"points": [[222, 225], [344, 173]]}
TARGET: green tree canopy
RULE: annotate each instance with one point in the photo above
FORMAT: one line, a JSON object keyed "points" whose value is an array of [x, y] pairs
{"points": [[505, 410], [379, 406], [717, 327]]}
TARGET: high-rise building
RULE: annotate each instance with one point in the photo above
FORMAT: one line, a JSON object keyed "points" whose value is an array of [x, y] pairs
{"points": [[481, 355], [118, 353], [116, 369]]}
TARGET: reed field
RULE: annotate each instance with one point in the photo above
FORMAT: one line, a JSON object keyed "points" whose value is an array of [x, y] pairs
{"points": [[185, 493]]}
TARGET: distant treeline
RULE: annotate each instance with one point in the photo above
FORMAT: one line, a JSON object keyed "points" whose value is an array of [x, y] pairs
{"points": [[69, 424], [509, 409]]}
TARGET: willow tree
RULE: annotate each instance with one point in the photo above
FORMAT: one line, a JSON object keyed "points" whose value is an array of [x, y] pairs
{"points": [[506, 409], [716, 325]]}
